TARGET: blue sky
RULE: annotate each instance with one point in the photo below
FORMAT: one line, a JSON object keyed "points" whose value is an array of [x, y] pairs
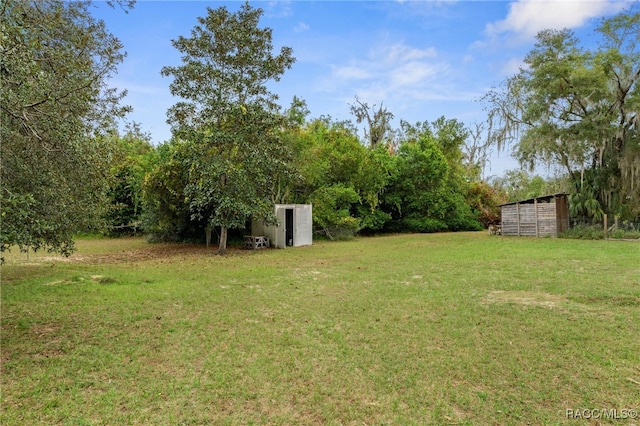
{"points": [[421, 59]]}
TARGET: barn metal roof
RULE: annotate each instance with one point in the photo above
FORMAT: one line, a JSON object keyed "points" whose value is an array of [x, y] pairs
{"points": [[531, 200]]}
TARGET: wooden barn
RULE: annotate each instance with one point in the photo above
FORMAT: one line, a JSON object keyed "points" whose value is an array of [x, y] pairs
{"points": [[545, 216]]}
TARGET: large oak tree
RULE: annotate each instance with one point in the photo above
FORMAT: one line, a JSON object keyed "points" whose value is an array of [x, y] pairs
{"points": [[55, 62], [228, 116], [579, 109]]}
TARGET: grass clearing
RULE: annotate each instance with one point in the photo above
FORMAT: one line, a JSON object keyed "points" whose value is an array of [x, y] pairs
{"points": [[409, 329]]}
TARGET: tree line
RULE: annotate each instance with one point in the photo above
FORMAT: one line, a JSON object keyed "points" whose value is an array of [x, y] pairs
{"points": [[234, 152], [420, 186]]}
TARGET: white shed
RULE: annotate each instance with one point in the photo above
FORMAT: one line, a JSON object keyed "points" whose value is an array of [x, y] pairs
{"points": [[294, 228]]}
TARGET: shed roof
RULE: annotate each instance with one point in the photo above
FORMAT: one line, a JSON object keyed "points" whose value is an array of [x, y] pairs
{"points": [[545, 198]]}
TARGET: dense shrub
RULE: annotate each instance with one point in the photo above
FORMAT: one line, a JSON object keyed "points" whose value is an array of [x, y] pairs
{"points": [[595, 232], [625, 234], [584, 232]]}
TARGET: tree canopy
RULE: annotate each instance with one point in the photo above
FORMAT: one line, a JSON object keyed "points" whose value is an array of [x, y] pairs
{"points": [[55, 62], [579, 109], [130, 157], [228, 116]]}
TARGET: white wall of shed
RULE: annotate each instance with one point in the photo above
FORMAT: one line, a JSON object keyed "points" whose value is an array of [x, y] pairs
{"points": [[302, 222]]}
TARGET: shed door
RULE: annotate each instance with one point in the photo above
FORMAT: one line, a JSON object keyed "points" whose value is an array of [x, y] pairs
{"points": [[288, 226], [280, 232]]}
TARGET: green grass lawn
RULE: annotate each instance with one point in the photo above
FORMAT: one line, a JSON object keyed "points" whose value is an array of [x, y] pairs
{"points": [[410, 329]]}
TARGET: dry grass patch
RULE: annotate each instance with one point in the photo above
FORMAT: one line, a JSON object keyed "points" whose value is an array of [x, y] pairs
{"points": [[526, 298]]}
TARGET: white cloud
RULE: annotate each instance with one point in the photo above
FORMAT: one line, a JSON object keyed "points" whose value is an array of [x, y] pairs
{"points": [[414, 74], [397, 65], [512, 66], [393, 73], [301, 27], [351, 72], [528, 17], [401, 53], [278, 9], [506, 40]]}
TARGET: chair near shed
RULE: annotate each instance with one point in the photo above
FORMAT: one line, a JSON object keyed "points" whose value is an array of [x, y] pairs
{"points": [[545, 216], [294, 227]]}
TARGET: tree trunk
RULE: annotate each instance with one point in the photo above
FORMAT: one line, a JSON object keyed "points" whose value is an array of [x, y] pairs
{"points": [[222, 247], [207, 231]]}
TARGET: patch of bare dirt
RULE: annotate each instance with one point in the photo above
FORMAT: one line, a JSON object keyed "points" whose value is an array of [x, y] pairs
{"points": [[527, 298], [155, 252]]}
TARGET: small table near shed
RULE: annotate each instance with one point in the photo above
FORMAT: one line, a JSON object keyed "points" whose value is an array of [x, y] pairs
{"points": [[254, 242]]}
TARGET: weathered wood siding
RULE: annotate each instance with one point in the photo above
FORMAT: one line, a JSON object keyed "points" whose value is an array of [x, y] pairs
{"points": [[562, 214], [510, 219], [538, 217], [547, 219]]}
